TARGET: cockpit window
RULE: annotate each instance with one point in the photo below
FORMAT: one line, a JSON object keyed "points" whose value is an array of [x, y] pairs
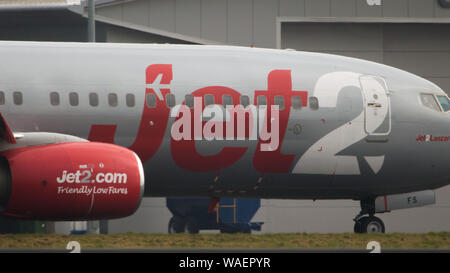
{"points": [[429, 101], [444, 102]]}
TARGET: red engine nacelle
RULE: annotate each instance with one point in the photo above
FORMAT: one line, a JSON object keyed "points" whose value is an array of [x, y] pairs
{"points": [[70, 181]]}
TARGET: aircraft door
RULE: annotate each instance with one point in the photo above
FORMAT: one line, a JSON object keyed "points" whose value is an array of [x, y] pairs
{"points": [[377, 106]]}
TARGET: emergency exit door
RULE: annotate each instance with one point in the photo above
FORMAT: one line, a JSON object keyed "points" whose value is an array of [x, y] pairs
{"points": [[377, 106]]}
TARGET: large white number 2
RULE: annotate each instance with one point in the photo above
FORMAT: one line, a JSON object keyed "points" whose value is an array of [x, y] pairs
{"points": [[321, 157], [74, 246]]}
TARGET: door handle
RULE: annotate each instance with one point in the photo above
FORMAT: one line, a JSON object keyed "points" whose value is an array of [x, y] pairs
{"points": [[374, 104]]}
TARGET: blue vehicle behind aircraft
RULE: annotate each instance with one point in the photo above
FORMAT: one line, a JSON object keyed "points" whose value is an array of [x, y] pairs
{"points": [[231, 215]]}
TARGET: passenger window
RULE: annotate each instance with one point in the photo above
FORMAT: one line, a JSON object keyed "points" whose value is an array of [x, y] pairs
{"points": [[279, 100], [170, 100], [2, 97], [429, 101], [130, 100], [209, 100], [227, 100], [445, 102], [261, 100], [93, 99], [296, 102], [18, 98], [73, 99], [189, 101], [245, 101], [54, 98], [151, 100], [314, 103], [113, 100]]}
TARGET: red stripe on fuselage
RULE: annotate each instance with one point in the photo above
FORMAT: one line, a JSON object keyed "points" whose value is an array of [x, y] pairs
{"points": [[153, 122], [102, 133], [279, 83]]}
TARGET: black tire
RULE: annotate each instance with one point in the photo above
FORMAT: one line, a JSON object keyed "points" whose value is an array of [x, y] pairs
{"points": [[247, 231], [372, 224], [228, 230], [357, 226], [176, 225], [191, 226]]}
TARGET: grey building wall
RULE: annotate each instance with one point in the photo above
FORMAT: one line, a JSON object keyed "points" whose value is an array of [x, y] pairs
{"points": [[115, 34], [423, 49], [254, 22], [43, 25], [388, 33]]}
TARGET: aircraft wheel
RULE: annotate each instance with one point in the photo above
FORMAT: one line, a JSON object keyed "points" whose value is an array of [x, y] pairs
{"points": [[358, 225], [247, 231], [176, 225], [191, 226], [371, 224]]}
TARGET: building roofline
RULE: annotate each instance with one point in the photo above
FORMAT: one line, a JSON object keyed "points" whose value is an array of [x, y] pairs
{"points": [[22, 5], [106, 3], [385, 20], [151, 30], [61, 6], [41, 7]]}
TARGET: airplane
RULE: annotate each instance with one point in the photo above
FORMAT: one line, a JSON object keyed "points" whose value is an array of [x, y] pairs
{"points": [[87, 130]]}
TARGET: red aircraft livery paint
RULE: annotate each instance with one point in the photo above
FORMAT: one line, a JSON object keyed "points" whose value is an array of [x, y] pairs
{"points": [[184, 152], [279, 83], [80, 180], [154, 122]]}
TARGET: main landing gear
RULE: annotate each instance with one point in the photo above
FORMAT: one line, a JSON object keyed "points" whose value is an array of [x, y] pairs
{"points": [[370, 223], [178, 224]]}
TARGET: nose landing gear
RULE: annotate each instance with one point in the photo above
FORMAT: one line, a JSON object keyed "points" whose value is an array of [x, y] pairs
{"points": [[368, 224]]}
